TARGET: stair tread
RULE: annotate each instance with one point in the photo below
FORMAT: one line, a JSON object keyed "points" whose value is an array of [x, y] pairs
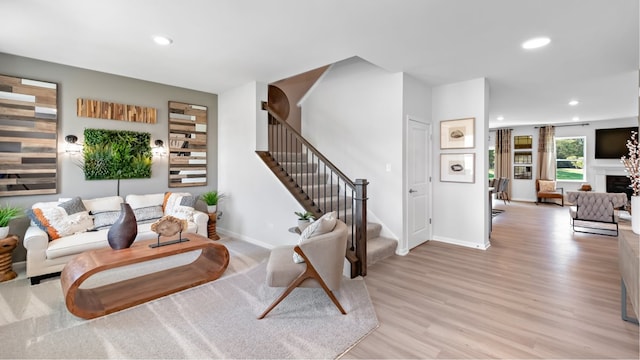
{"points": [[380, 248]]}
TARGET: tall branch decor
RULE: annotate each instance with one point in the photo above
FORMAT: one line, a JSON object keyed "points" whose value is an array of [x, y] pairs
{"points": [[632, 168], [632, 163]]}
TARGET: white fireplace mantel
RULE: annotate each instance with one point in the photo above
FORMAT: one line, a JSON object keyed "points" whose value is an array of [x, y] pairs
{"points": [[600, 173]]}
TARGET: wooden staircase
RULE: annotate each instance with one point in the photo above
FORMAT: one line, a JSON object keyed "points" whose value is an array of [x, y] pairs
{"points": [[320, 187], [313, 190]]}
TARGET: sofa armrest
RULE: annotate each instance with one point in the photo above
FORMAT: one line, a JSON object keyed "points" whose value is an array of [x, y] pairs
{"points": [[202, 220], [35, 239]]}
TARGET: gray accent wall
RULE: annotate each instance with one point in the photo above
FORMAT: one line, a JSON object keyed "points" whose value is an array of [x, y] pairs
{"points": [[74, 83]]}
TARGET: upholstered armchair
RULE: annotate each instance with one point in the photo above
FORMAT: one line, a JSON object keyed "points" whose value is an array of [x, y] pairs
{"points": [[595, 211], [319, 263], [546, 189]]}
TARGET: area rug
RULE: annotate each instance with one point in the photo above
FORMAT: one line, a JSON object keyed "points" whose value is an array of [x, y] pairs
{"points": [[214, 320]]}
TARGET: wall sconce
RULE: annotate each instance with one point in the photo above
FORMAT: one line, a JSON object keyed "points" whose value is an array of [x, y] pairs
{"points": [[158, 149], [73, 146]]}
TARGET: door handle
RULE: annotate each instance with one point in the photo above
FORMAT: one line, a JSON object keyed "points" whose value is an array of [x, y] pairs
{"points": [[411, 191]]}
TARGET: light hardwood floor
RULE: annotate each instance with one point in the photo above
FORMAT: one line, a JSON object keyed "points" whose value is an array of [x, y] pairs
{"points": [[539, 291]]}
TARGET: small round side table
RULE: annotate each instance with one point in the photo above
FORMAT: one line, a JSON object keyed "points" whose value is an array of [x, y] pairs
{"points": [[211, 226], [6, 249]]}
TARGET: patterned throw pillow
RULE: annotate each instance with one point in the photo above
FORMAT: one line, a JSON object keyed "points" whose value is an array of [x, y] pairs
{"points": [[319, 227], [57, 223], [547, 185], [73, 206], [105, 219], [179, 205], [148, 214]]}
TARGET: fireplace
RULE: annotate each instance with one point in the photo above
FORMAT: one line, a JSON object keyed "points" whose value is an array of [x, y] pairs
{"points": [[619, 184]]}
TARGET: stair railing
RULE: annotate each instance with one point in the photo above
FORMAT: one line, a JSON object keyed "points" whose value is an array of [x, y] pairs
{"points": [[320, 186]]}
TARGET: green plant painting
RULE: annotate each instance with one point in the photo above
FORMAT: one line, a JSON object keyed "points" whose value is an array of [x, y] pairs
{"points": [[116, 154]]}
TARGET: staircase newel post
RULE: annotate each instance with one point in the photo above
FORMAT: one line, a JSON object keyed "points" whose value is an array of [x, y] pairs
{"points": [[361, 224]]}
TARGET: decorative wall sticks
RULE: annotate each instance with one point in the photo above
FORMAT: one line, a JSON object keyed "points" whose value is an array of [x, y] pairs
{"points": [[114, 111]]}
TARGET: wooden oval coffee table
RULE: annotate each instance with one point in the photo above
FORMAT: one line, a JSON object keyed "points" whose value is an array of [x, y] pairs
{"points": [[90, 303]]}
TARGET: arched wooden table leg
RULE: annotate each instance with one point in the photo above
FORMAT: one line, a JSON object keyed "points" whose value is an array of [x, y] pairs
{"points": [[90, 303]]}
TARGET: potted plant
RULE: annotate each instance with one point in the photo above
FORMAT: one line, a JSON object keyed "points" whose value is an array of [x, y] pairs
{"points": [[7, 213], [211, 198], [304, 219]]}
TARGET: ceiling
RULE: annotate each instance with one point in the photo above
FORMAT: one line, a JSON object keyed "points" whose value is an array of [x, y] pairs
{"points": [[221, 44]]}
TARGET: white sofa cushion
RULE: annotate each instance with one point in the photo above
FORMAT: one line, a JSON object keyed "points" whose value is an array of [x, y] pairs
{"points": [[142, 201], [110, 203], [77, 243]]}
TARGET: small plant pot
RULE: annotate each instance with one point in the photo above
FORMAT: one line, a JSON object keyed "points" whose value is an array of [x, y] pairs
{"points": [[212, 208], [302, 224], [4, 232]]}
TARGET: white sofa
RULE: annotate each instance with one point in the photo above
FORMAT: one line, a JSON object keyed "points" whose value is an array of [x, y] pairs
{"points": [[47, 255]]}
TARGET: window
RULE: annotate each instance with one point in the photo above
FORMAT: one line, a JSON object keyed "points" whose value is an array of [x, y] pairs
{"points": [[492, 163], [570, 159]]}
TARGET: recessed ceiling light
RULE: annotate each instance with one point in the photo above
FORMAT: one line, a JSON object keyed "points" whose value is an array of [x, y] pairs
{"points": [[536, 43], [575, 118], [162, 40], [574, 102], [500, 118]]}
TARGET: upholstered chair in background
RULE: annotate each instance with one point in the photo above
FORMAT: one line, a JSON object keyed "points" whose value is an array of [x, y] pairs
{"points": [[546, 189]]}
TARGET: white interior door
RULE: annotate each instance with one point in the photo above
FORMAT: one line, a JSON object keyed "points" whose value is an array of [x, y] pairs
{"points": [[418, 182]]}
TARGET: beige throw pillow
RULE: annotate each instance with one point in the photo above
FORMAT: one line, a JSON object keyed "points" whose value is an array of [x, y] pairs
{"points": [[325, 224], [547, 185]]}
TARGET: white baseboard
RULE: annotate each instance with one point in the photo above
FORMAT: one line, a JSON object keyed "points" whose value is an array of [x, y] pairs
{"points": [[244, 238], [461, 243]]}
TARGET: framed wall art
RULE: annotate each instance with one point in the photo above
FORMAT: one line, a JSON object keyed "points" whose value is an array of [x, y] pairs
{"points": [[28, 140], [187, 144], [457, 168], [457, 134]]}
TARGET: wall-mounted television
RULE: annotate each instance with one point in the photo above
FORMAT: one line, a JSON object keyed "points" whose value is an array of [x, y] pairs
{"points": [[612, 143]]}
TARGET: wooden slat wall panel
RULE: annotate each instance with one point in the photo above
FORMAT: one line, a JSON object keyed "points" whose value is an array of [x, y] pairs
{"points": [[187, 145], [28, 136], [114, 111]]}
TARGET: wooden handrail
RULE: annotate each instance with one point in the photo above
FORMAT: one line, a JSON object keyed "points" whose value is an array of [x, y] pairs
{"points": [[313, 196], [265, 106]]}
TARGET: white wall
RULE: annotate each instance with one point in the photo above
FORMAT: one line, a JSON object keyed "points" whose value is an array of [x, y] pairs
{"points": [[354, 117], [461, 209], [256, 208], [524, 190]]}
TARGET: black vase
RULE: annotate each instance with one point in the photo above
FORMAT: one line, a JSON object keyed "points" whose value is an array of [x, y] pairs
{"points": [[124, 231]]}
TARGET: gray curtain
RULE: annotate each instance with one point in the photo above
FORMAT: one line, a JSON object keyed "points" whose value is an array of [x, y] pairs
{"points": [[547, 153], [503, 156]]}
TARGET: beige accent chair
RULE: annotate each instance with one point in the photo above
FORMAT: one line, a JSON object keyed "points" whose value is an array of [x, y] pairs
{"points": [[322, 267], [546, 189]]}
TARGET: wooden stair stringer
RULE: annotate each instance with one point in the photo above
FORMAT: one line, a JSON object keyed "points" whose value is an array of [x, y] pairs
{"points": [[301, 197]]}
